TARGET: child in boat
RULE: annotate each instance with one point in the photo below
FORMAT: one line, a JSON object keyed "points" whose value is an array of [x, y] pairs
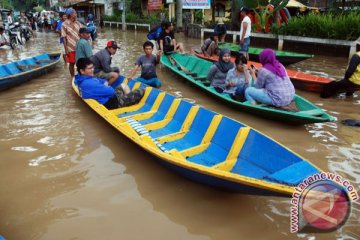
{"points": [[349, 84], [83, 48], [218, 71], [210, 46], [272, 84], [98, 89], [147, 62], [237, 79]]}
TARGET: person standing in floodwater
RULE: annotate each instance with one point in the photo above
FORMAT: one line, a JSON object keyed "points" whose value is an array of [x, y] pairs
{"points": [[70, 33]]}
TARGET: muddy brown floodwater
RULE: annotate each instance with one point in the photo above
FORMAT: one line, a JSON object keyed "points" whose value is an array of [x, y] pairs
{"points": [[67, 174]]}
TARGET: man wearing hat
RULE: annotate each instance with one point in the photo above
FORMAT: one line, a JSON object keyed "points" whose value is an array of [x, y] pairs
{"points": [[83, 48], [70, 33], [210, 46], [245, 32], [102, 63], [220, 30]]}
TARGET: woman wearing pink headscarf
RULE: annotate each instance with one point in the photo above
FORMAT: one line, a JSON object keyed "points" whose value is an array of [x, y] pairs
{"points": [[272, 85]]}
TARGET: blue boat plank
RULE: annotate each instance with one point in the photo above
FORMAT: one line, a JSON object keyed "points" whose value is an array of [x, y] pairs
{"points": [[17, 72]]}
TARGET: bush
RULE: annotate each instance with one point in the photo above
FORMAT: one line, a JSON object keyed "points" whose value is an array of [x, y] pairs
{"points": [[131, 17], [344, 26]]}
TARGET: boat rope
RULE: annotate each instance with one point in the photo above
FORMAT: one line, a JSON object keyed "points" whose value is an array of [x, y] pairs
{"points": [[139, 128]]}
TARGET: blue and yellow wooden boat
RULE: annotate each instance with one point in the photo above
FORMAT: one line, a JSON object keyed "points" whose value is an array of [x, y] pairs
{"points": [[15, 73], [195, 70], [206, 146]]}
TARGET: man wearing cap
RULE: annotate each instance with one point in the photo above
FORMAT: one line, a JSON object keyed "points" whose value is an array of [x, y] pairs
{"points": [[83, 48], [70, 33], [210, 46], [220, 30], [245, 32], [102, 63]]}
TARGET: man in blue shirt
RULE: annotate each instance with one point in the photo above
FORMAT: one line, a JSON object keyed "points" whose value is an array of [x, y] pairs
{"points": [[62, 19], [99, 90]]}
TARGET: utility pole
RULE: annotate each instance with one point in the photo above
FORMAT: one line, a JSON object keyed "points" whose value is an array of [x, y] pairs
{"points": [[123, 24], [179, 20]]}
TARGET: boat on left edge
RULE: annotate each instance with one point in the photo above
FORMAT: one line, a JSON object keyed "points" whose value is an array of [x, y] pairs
{"points": [[18, 72], [206, 146]]}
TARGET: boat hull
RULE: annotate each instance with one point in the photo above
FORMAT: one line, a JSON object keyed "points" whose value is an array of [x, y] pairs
{"points": [[302, 81], [309, 113], [224, 159], [18, 78], [286, 58]]}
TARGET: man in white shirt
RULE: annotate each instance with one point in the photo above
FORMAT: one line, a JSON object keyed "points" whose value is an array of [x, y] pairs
{"points": [[245, 32], [9, 18]]}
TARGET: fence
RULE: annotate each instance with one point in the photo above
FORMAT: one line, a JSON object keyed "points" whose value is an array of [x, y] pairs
{"points": [[127, 24]]}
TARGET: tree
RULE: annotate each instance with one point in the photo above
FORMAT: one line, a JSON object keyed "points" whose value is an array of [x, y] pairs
{"points": [[236, 5], [6, 4], [135, 7]]}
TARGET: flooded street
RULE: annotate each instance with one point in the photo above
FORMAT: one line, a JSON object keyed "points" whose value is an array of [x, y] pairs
{"points": [[65, 173]]}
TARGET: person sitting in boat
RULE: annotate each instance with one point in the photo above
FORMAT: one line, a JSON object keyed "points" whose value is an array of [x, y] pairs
{"points": [[102, 63], [3, 39], [168, 42], [272, 84], [147, 62], [210, 46], [349, 84], [98, 89], [237, 79], [218, 71], [220, 30]]}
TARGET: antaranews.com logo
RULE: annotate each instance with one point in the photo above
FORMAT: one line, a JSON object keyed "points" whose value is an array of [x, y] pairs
{"points": [[321, 203]]}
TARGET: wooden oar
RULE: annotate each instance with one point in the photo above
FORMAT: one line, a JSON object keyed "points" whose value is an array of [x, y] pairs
{"points": [[180, 67], [31, 66]]}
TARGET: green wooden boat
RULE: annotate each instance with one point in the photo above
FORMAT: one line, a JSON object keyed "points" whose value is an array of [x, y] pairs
{"points": [[284, 57], [195, 70]]}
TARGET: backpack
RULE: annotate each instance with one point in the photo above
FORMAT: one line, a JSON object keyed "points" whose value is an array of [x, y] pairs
{"points": [[154, 33]]}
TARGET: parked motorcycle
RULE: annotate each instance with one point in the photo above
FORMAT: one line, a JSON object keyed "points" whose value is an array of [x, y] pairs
{"points": [[14, 39], [24, 32]]}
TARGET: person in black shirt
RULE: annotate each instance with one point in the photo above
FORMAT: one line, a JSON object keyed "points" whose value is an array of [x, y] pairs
{"points": [[167, 40]]}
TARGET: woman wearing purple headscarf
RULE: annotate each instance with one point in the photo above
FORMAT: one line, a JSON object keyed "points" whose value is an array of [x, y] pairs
{"points": [[272, 85]]}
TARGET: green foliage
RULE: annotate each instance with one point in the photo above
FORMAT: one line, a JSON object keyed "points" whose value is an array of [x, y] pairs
{"points": [[198, 16], [329, 25], [26, 5], [135, 7], [279, 4], [6, 4], [38, 8], [131, 17]]}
